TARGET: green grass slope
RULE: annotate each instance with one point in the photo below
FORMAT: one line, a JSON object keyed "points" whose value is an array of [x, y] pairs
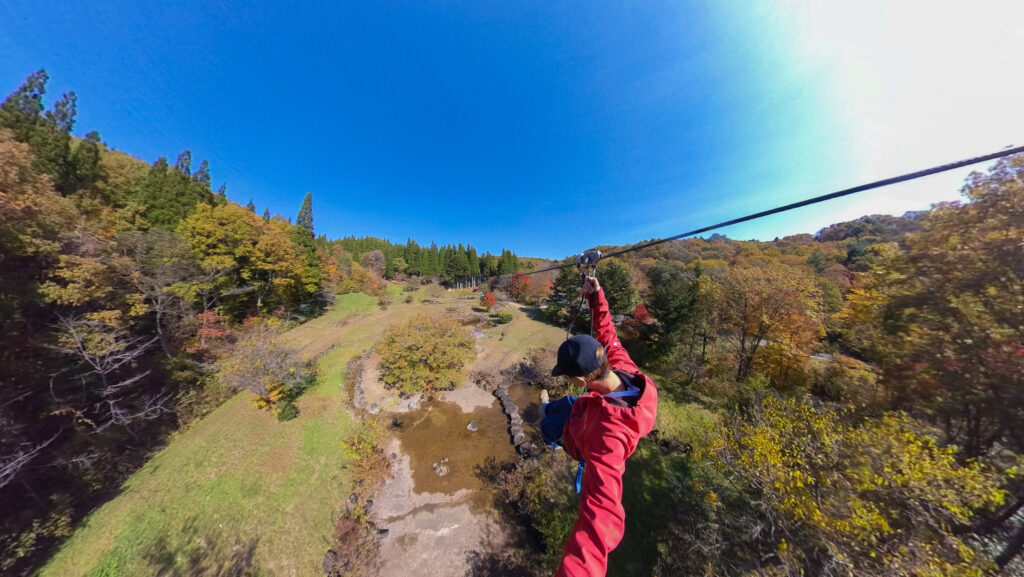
{"points": [[238, 487]]}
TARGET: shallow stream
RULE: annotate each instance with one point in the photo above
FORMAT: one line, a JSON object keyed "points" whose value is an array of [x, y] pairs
{"points": [[438, 430]]}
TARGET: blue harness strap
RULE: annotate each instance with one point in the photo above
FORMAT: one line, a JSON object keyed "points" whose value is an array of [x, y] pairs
{"points": [[630, 391]]}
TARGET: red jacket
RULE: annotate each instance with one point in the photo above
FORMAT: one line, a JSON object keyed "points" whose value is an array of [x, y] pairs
{"points": [[603, 435]]}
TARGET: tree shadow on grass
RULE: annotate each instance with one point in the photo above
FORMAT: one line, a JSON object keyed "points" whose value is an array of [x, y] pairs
{"points": [[204, 554], [536, 314]]}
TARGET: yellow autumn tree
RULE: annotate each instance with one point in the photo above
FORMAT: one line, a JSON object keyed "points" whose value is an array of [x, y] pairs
{"points": [[829, 495], [427, 352]]}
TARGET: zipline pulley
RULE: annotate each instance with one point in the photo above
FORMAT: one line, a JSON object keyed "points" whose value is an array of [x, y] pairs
{"points": [[586, 264]]}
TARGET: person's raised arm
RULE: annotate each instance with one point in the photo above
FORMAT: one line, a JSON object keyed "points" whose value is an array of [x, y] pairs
{"points": [[602, 520], [604, 328]]}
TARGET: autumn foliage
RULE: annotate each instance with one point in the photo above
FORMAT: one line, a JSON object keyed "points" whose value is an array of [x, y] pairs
{"points": [[427, 352], [488, 300], [877, 497]]}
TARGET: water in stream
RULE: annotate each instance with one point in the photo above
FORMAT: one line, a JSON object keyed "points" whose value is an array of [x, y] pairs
{"points": [[438, 430]]}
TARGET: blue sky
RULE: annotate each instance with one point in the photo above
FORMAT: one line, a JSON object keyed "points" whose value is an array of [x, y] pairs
{"points": [[544, 127]]}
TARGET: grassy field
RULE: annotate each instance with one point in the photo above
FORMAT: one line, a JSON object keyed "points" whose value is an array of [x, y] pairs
{"points": [[238, 487], [241, 489]]}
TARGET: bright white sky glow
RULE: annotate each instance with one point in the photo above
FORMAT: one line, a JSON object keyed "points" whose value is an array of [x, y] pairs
{"points": [[907, 85]]}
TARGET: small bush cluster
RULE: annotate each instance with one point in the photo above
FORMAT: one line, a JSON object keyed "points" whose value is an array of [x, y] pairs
{"points": [[364, 452]]}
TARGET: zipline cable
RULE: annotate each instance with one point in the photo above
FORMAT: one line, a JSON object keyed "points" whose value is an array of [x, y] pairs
{"points": [[810, 201]]}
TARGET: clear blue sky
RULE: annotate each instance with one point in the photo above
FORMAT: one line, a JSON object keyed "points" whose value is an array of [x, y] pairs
{"points": [[544, 127]]}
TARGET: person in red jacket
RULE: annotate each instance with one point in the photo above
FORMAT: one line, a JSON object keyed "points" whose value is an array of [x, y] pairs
{"points": [[602, 429]]}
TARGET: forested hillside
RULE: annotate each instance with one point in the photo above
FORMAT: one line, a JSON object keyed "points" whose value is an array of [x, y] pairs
{"points": [[134, 298], [845, 403]]}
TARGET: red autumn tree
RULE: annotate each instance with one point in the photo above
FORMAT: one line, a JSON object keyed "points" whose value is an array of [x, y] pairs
{"points": [[519, 286], [489, 300], [641, 314]]}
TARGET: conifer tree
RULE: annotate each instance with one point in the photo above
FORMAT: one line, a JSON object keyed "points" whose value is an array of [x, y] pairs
{"points": [[202, 174], [474, 262], [266, 215], [305, 218], [223, 191], [564, 300], [488, 265], [85, 163], [251, 206], [423, 264], [48, 134], [184, 163], [615, 277], [22, 111]]}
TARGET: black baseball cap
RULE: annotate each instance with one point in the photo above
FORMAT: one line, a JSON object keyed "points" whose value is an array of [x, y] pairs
{"points": [[577, 357]]}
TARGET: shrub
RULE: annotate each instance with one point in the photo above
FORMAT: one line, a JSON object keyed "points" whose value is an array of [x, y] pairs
{"points": [[435, 292], [425, 352], [409, 298], [537, 372], [365, 454], [261, 364], [488, 300], [843, 380], [503, 318], [541, 491], [685, 424], [832, 491], [286, 411], [786, 368]]}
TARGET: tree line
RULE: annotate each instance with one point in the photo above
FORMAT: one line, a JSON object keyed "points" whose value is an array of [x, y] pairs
{"points": [[458, 266]]}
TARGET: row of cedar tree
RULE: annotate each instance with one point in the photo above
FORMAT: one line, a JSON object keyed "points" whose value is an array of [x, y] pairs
{"points": [[122, 284], [821, 383]]}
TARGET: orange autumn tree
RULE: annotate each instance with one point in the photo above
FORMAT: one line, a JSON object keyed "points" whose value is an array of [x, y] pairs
{"points": [[774, 308], [488, 300]]}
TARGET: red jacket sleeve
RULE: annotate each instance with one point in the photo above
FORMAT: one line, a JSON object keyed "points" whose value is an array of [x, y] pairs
{"points": [[602, 520], [604, 332]]}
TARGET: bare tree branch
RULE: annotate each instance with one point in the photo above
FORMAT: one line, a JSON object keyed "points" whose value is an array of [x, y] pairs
{"points": [[12, 464]]}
